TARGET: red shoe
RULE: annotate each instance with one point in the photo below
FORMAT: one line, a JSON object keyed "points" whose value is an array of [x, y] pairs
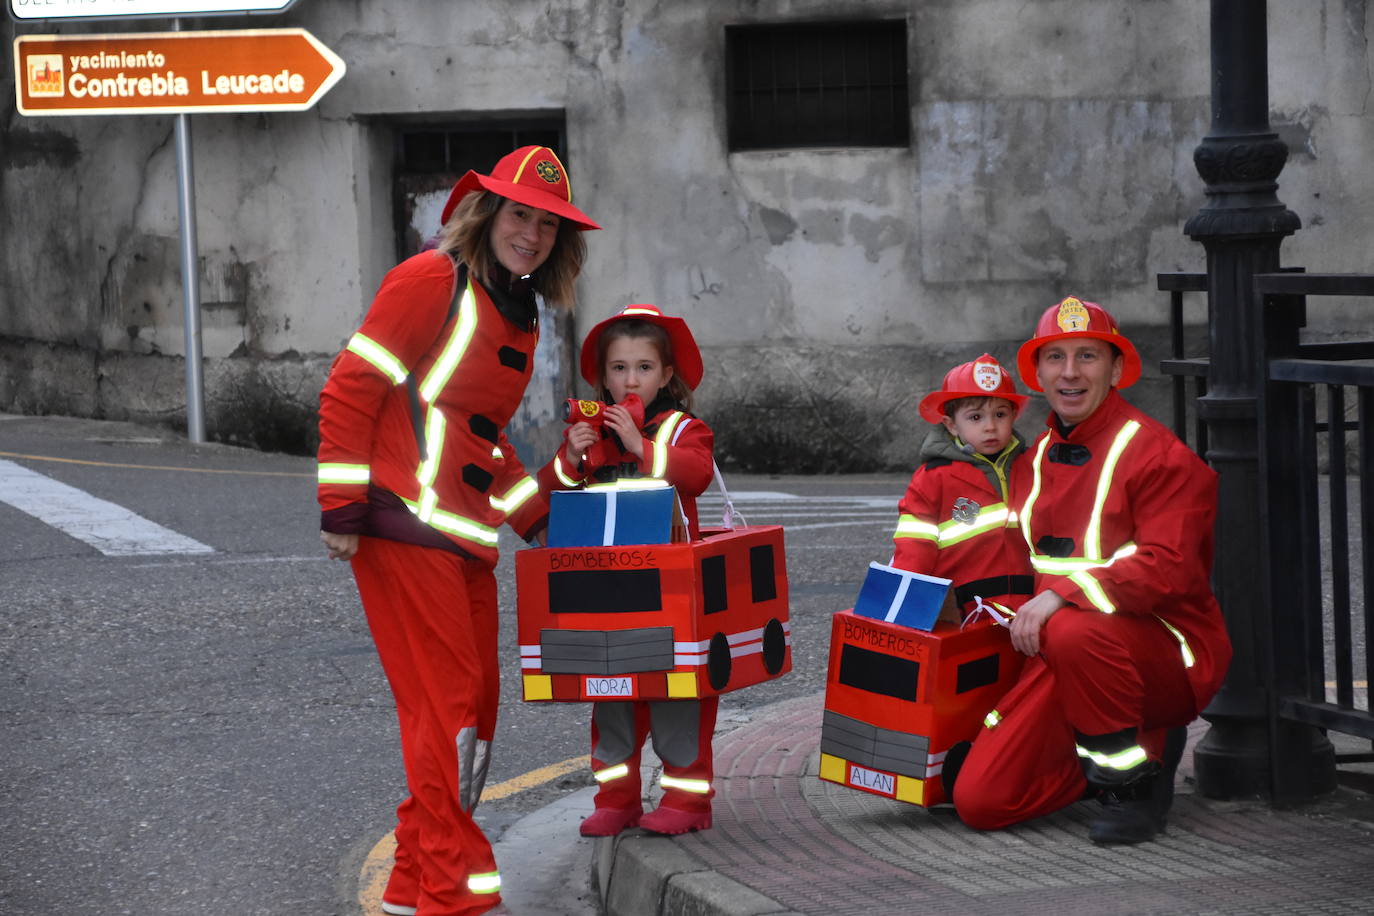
{"points": [[672, 821], [610, 821]]}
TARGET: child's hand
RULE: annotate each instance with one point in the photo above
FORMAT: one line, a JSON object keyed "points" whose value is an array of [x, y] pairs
{"points": [[581, 436], [619, 420]]}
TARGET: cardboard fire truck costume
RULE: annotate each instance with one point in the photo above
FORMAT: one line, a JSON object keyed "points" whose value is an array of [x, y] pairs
{"points": [[906, 682], [620, 606]]}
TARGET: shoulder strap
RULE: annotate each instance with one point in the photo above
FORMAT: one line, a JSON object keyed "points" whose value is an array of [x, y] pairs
{"points": [[417, 413]]}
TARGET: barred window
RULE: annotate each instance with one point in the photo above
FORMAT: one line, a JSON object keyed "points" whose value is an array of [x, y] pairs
{"points": [[455, 150], [817, 84]]}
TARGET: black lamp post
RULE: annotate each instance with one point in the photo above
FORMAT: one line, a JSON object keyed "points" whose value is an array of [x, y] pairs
{"points": [[1241, 226]]}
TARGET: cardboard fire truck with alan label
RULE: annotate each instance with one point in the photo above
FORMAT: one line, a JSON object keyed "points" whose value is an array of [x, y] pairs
{"points": [[906, 682], [621, 606]]}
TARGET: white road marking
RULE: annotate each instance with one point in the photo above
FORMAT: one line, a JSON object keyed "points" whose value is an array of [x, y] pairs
{"points": [[109, 528]]}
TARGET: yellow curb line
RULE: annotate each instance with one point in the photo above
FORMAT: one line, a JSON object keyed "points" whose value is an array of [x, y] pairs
{"points": [[153, 467], [376, 868]]}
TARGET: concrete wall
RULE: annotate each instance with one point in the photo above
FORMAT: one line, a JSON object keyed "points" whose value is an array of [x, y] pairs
{"points": [[1051, 154]]}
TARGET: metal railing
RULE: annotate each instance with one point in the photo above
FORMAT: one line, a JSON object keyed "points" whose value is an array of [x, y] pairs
{"points": [[1319, 658]]}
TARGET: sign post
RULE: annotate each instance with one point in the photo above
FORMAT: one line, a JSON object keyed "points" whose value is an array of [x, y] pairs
{"points": [[175, 73]]}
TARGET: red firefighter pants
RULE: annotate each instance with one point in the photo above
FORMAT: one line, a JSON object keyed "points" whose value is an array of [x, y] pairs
{"points": [[433, 617], [682, 732], [1096, 674]]}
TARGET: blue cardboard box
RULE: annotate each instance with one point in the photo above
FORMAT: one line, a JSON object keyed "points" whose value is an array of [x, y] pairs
{"points": [[610, 516], [905, 598]]}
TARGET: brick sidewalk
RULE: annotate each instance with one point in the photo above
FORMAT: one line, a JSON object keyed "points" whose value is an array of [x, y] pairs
{"points": [[784, 842]]}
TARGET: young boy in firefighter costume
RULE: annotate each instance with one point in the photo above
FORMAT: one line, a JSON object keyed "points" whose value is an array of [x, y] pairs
{"points": [[1125, 640], [956, 518], [415, 476], [644, 353]]}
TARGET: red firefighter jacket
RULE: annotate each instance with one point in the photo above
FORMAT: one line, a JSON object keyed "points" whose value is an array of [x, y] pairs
{"points": [[468, 373], [1119, 516], [957, 522], [678, 448]]}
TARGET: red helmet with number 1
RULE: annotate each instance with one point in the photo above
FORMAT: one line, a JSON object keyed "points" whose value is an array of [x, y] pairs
{"points": [[1073, 317]]}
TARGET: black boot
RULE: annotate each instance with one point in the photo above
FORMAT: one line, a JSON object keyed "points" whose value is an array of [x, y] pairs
{"points": [[954, 761], [1138, 811]]}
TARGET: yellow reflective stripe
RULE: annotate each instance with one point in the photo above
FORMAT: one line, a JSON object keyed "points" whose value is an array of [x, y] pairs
{"points": [[909, 526], [463, 527], [631, 310], [486, 883], [1121, 760], [991, 719], [331, 472], [496, 453], [610, 773], [1064, 566], [1092, 547], [454, 349], [1188, 658], [660, 446], [515, 496], [1034, 494], [699, 786], [428, 512], [434, 446], [378, 356], [558, 472], [429, 500], [989, 517], [1090, 586]]}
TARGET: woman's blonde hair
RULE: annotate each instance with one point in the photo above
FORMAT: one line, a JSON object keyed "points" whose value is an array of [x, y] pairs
{"points": [[467, 237], [635, 329]]}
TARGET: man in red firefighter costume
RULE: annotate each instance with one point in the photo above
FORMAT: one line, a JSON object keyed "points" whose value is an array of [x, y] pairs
{"points": [[415, 476], [956, 520], [1126, 640]]}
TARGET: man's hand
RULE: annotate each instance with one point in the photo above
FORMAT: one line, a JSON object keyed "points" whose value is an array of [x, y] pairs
{"points": [[1030, 618], [341, 546]]}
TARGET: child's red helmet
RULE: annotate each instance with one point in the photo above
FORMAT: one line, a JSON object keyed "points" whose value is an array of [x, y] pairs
{"points": [[982, 378], [1073, 317], [532, 175], [686, 357]]}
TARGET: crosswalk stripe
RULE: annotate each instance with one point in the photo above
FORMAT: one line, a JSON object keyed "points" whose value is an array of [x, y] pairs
{"points": [[109, 528]]}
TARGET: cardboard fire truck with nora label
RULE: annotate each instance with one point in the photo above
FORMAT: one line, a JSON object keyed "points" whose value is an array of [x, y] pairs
{"points": [[621, 606]]}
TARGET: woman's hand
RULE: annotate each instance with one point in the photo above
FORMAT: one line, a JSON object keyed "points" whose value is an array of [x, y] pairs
{"points": [[341, 546], [1030, 618], [619, 420], [581, 436]]}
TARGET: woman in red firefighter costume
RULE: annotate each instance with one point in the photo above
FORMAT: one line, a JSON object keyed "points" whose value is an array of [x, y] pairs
{"points": [[1126, 640], [643, 359], [956, 520], [416, 475]]}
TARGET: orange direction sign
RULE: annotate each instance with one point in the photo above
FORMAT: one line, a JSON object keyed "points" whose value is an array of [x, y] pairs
{"points": [[172, 72]]}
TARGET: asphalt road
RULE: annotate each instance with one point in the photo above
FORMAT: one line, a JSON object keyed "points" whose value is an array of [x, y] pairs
{"points": [[210, 733]]}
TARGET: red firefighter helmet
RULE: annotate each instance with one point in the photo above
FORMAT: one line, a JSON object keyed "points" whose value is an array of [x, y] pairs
{"points": [[982, 378], [1073, 317], [532, 175], [686, 357]]}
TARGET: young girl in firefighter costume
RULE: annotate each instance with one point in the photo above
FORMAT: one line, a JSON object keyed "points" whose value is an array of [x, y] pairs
{"points": [[957, 519], [1126, 641], [415, 476], [643, 353]]}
